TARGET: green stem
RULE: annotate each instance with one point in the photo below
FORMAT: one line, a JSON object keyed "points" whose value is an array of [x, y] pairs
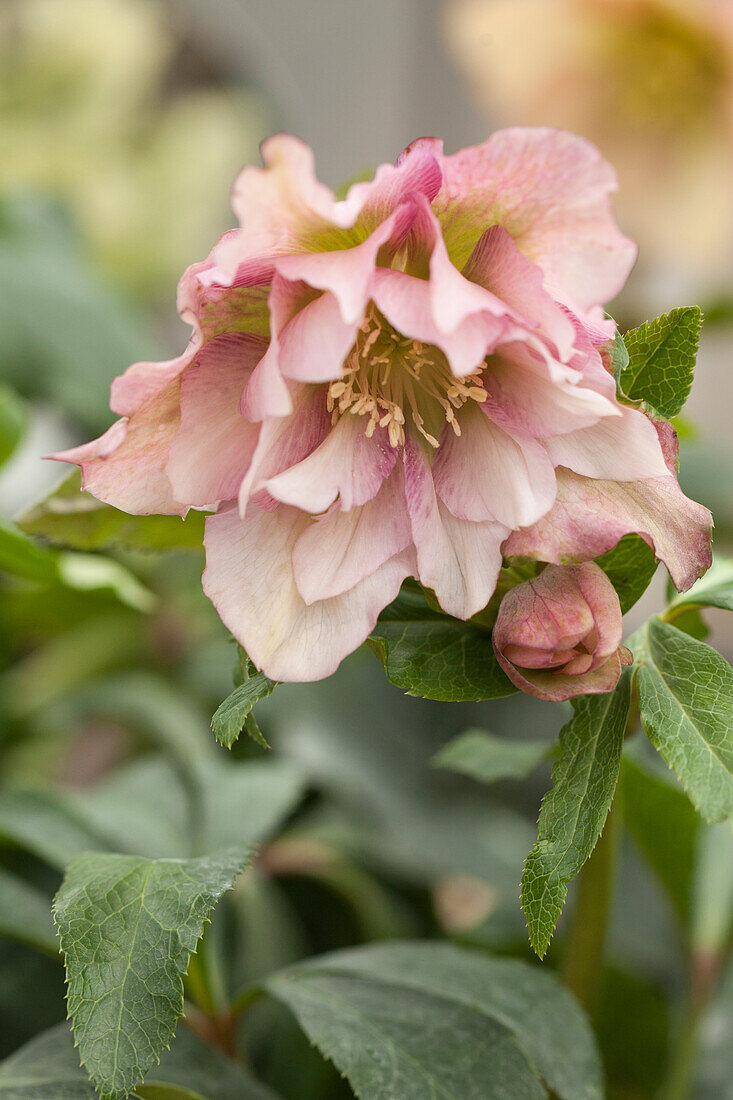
{"points": [[705, 968], [583, 962]]}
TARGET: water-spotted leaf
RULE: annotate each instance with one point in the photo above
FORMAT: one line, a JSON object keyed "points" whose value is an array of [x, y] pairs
{"points": [[630, 567], [489, 758], [128, 927], [662, 360], [434, 656], [70, 517], [686, 708], [574, 811], [427, 1019]]}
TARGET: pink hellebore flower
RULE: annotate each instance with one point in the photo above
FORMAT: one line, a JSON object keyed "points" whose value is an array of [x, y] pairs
{"points": [[559, 634], [394, 385]]}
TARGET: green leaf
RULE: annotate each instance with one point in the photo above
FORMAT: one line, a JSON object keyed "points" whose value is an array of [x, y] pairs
{"points": [[44, 824], [712, 891], [662, 360], [70, 517], [715, 589], [427, 1019], [433, 656], [47, 1068], [13, 420], [630, 567], [25, 914], [231, 717], [665, 828], [489, 758], [616, 355], [686, 706], [167, 1092], [574, 811], [128, 927]]}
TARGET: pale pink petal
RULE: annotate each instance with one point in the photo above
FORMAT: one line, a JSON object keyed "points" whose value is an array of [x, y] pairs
{"points": [[458, 559], [551, 191], [213, 447], [313, 346], [486, 474], [526, 400], [416, 172], [126, 466], [589, 517], [623, 448], [557, 687], [249, 579], [340, 548], [497, 264], [347, 465]]}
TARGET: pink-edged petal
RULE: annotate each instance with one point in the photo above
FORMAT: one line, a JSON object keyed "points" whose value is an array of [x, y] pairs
{"points": [[589, 517], [249, 579], [557, 687], [214, 444], [347, 465], [458, 559], [126, 466], [551, 191], [314, 344], [623, 448], [602, 599], [406, 303], [487, 474], [497, 264], [416, 172], [526, 400], [340, 548], [284, 442]]}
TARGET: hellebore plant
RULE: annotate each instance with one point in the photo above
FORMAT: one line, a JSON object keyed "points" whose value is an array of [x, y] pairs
{"points": [[409, 421]]}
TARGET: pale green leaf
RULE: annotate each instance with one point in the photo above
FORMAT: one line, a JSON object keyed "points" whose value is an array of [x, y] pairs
{"points": [[686, 707], [25, 914], [43, 823], [575, 809], [428, 1019], [167, 1092], [128, 927], [13, 419], [662, 360], [489, 758], [715, 589]]}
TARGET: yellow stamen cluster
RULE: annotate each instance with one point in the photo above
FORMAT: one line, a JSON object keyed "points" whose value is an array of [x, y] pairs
{"points": [[386, 374]]}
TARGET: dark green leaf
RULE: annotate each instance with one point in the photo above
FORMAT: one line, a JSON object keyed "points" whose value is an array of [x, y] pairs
{"points": [[574, 811], [662, 360], [231, 717], [69, 517], [686, 707], [25, 914], [665, 827], [489, 758], [630, 567], [12, 421], [128, 927], [427, 1019], [433, 656]]}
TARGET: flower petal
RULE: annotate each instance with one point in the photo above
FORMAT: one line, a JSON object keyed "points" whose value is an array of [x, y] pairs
{"points": [[589, 517], [624, 448], [557, 687], [486, 474], [249, 579], [340, 548], [458, 559]]}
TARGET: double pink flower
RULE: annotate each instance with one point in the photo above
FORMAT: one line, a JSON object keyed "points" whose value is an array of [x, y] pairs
{"points": [[406, 382]]}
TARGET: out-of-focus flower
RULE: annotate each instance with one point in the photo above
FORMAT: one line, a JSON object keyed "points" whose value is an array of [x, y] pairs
{"points": [[559, 634], [394, 385], [651, 82], [89, 116]]}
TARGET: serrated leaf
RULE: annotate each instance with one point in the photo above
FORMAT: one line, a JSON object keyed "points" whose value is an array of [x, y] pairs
{"points": [[427, 1019], [662, 360], [489, 758], [629, 566], [13, 420], [686, 707], [70, 517], [574, 811], [715, 589], [47, 1068], [434, 656], [664, 826], [231, 716], [25, 914], [128, 927]]}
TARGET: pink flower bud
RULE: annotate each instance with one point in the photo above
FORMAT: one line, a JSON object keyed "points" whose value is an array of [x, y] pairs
{"points": [[559, 635]]}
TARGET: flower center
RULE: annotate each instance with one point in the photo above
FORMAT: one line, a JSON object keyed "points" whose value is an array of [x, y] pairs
{"points": [[389, 378]]}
